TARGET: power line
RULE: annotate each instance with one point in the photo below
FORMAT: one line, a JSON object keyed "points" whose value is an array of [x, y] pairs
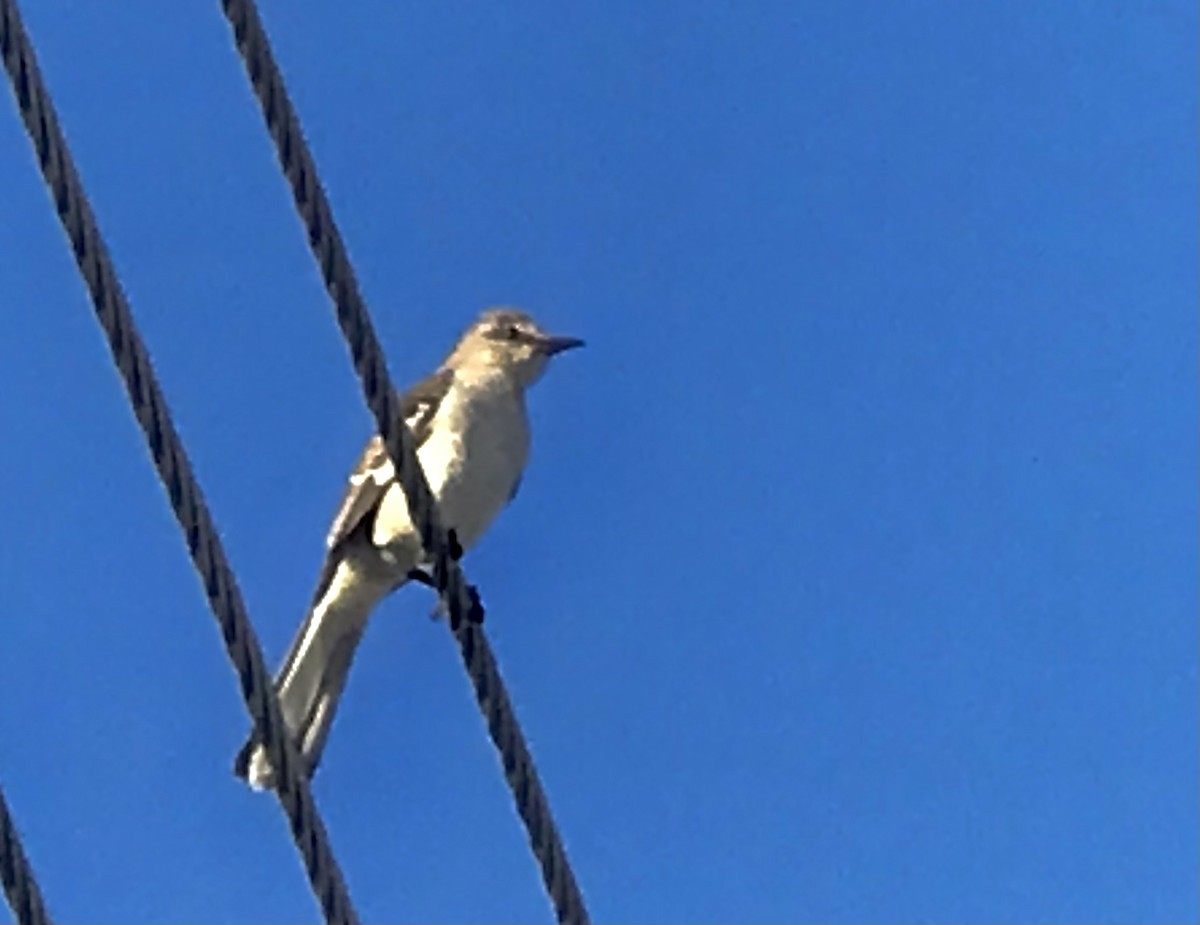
{"points": [[150, 409], [20, 887], [327, 246], [204, 545]]}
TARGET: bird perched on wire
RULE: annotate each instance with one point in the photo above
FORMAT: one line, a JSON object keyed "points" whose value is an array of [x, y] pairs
{"points": [[471, 432]]}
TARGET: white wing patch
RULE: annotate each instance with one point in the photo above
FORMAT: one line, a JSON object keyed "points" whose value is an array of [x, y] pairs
{"points": [[375, 473]]}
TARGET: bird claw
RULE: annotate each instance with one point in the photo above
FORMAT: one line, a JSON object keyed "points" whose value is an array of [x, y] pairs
{"points": [[453, 546], [474, 612]]}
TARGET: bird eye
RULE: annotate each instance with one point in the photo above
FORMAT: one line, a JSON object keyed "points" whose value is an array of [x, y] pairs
{"points": [[513, 332]]}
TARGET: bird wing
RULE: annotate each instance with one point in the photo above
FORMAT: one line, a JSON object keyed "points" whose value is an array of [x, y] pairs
{"points": [[374, 472]]}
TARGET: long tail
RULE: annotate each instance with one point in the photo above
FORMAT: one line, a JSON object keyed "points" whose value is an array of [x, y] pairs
{"points": [[315, 670]]}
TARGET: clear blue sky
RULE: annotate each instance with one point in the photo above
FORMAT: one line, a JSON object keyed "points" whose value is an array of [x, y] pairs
{"points": [[855, 574]]}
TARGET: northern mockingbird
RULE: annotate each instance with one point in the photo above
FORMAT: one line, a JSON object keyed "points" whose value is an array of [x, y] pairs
{"points": [[472, 436]]}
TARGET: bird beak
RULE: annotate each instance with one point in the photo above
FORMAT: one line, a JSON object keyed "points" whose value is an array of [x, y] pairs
{"points": [[553, 345]]}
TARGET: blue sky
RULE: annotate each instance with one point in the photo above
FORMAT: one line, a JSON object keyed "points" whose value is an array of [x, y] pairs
{"points": [[854, 577]]}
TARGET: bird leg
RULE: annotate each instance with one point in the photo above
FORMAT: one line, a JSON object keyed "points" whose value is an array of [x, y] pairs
{"points": [[422, 578], [475, 611]]}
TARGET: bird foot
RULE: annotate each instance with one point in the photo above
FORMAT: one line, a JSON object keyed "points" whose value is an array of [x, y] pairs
{"points": [[474, 612]]}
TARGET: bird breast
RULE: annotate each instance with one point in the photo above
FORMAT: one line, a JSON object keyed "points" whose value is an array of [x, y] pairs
{"points": [[473, 458]]}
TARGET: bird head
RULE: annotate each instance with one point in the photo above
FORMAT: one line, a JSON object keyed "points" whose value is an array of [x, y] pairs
{"points": [[510, 341]]}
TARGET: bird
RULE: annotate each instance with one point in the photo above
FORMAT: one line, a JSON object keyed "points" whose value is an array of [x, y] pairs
{"points": [[471, 431]]}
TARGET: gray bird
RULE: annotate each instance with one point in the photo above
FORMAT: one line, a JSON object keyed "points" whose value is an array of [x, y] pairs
{"points": [[472, 437]]}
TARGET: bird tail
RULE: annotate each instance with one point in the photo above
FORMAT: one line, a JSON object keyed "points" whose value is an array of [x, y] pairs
{"points": [[315, 670]]}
